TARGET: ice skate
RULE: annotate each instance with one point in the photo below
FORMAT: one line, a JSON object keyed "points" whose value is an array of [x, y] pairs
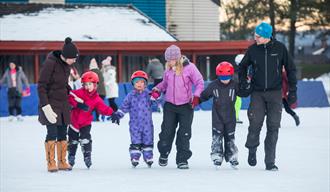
{"points": [[234, 164], [135, 163], [149, 162], [11, 118], [162, 161], [19, 118], [271, 167], [217, 163], [183, 166], [88, 161]]}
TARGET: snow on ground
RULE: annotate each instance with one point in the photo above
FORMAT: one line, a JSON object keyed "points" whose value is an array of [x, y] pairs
{"points": [[325, 78], [302, 158], [83, 24]]}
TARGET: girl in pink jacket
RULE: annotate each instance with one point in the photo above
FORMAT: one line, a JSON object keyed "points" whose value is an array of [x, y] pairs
{"points": [[84, 101], [179, 77]]}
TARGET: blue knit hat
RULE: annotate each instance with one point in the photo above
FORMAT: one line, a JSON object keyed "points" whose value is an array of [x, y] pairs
{"points": [[264, 30]]}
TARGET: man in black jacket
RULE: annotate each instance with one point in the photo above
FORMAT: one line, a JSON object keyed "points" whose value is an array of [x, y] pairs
{"points": [[267, 57]]}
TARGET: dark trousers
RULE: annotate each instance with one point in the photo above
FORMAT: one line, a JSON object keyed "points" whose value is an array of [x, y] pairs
{"points": [[223, 141], [56, 132], [287, 107], [263, 104], [83, 136], [174, 115], [14, 101], [113, 104]]}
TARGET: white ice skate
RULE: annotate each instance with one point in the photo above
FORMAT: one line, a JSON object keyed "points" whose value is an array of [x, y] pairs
{"points": [[234, 163], [19, 118]]}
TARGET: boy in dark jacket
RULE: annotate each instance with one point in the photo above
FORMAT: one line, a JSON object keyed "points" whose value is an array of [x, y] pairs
{"points": [[224, 91]]}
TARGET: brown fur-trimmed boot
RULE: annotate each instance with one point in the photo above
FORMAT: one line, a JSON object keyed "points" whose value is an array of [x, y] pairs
{"points": [[50, 156], [61, 156]]}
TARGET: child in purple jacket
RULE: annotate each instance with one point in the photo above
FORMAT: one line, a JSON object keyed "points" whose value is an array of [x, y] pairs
{"points": [[138, 104], [179, 77]]}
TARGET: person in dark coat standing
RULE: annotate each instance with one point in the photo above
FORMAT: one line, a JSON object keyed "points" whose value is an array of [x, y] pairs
{"points": [[267, 57], [54, 109]]}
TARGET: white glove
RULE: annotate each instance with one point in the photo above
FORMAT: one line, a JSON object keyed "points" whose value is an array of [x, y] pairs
{"points": [[49, 113], [79, 100]]}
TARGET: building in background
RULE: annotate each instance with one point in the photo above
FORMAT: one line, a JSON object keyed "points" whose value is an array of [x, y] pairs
{"points": [[188, 20], [193, 20], [130, 31]]}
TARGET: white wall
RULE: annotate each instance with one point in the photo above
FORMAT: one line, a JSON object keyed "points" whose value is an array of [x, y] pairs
{"points": [[193, 20]]}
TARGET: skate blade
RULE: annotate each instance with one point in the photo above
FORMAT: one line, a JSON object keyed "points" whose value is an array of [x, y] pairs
{"points": [[235, 167]]}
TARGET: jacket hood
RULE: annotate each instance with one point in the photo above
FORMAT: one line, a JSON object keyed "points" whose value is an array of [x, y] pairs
{"points": [[186, 61]]}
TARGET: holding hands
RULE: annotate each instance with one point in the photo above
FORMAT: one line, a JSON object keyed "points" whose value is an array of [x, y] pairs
{"points": [[116, 116], [195, 102], [154, 95]]}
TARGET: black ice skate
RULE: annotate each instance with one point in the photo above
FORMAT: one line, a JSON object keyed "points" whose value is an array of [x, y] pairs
{"points": [[134, 162], [252, 159], [88, 160], [149, 162], [183, 166], [271, 167], [162, 161]]}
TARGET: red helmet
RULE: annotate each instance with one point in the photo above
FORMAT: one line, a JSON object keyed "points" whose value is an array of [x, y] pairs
{"points": [[90, 76], [140, 74], [224, 69]]}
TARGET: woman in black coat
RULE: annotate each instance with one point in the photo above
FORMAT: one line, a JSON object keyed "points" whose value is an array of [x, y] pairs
{"points": [[54, 109]]}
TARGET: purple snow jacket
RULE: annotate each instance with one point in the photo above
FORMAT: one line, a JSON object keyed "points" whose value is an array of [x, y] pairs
{"points": [[179, 88], [140, 124]]}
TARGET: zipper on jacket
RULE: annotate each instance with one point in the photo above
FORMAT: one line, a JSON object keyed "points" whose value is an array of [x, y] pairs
{"points": [[266, 77], [278, 66]]}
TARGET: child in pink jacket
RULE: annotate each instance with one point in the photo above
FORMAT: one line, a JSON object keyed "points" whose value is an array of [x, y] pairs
{"points": [[84, 101], [179, 77]]}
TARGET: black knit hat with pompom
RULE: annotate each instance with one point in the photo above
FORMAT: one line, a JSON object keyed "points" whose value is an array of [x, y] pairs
{"points": [[69, 49]]}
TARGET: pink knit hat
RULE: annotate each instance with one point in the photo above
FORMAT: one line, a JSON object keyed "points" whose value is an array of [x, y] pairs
{"points": [[172, 52]]}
